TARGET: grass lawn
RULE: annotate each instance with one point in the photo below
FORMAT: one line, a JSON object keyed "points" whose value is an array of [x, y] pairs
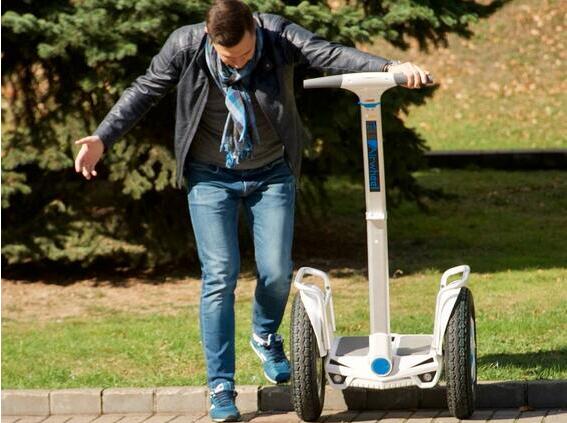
{"points": [[502, 88], [509, 227]]}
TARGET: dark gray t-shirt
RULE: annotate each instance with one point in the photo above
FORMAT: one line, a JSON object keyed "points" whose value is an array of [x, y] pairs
{"points": [[205, 147]]}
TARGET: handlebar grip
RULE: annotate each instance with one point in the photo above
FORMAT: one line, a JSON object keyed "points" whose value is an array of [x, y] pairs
{"points": [[334, 81], [401, 79]]}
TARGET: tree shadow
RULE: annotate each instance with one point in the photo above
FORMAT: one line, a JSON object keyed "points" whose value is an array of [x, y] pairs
{"points": [[542, 360], [514, 223]]}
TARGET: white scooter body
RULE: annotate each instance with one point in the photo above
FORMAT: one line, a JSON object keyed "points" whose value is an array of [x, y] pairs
{"points": [[381, 360]]}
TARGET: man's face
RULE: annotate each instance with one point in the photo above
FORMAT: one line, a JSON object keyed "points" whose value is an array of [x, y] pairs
{"points": [[237, 56]]}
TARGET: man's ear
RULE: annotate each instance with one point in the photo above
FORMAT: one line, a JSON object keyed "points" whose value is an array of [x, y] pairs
{"points": [[206, 30]]}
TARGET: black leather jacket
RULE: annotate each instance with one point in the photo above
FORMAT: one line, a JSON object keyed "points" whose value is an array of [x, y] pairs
{"points": [[181, 63]]}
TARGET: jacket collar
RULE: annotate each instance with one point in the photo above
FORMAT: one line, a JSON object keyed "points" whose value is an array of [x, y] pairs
{"points": [[265, 64]]}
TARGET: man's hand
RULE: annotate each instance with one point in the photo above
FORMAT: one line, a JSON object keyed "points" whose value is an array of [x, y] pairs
{"points": [[417, 77], [89, 155]]}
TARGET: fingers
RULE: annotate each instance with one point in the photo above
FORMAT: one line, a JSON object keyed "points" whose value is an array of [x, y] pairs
{"points": [[88, 156], [416, 76], [87, 140], [83, 166], [88, 172], [79, 160], [423, 77], [410, 77]]}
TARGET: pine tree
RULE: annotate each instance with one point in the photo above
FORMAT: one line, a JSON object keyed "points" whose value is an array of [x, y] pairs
{"points": [[66, 62]]}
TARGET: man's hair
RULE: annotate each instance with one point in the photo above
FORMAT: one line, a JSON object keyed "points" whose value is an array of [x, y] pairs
{"points": [[228, 20]]}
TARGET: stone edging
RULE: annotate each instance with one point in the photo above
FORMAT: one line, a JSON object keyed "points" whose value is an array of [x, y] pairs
{"points": [[193, 400]]}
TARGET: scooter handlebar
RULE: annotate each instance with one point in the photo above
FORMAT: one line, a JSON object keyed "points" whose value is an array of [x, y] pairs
{"points": [[402, 79], [336, 81]]}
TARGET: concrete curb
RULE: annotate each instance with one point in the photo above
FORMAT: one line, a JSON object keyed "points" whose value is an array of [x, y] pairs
{"points": [[193, 400]]}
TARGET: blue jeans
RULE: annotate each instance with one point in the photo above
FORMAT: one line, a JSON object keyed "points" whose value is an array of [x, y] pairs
{"points": [[268, 197]]}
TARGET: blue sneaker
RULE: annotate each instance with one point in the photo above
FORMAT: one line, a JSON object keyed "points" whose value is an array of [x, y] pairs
{"points": [[271, 352], [223, 408]]}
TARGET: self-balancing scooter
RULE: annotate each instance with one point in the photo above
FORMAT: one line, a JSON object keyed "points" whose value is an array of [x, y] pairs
{"points": [[381, 360]]}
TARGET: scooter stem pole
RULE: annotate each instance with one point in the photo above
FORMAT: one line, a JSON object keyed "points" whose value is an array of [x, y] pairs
{"points": [[376, 215], [369, 87]]}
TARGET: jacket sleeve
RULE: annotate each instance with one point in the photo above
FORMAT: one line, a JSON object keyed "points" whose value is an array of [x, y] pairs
{"points": [[309, 48], [145, 92]]}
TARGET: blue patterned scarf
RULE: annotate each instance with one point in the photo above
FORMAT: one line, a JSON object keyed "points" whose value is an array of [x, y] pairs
{"points": [[240, 132]]}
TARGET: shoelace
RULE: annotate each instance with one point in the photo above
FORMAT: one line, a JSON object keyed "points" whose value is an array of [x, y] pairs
{"points": [[223, 398], [275, 347]]}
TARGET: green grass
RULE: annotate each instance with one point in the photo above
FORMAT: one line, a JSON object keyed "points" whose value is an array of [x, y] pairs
{"points": [[510, 227], [504, 88]]}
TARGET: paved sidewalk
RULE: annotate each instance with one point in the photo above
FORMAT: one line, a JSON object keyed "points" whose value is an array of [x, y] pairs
{"points": [[505, 415]]}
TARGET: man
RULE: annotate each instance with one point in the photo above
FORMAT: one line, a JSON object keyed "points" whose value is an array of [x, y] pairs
{"points": [[238, 141]]}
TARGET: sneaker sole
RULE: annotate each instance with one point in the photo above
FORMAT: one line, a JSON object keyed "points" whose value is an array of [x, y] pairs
{"points": [[263, 360], [228, 419]]}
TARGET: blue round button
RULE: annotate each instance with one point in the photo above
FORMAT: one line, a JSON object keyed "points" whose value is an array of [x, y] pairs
{"points": [[381, 366]]}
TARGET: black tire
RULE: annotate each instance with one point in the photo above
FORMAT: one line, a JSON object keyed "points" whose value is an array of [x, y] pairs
{"points": [[307, 367], [459, 356]]}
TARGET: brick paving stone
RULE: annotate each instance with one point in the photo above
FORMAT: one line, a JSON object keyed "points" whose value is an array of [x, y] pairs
{"points": [[108, 418], [57, 419], [481, 415], [423, 416], [187, 418], [369, 416], [276, 418], [445, 417], [86, 418], [10, 419], [246, 417], [535, 416], [161, 418], [135, 418], [553, 416], [396, 416], [203, 419], [31, 419], [343, 416], [506, 415]]}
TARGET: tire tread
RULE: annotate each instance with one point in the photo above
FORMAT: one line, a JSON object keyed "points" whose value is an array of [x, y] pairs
{"points": [[460, 387], [306, 400]]}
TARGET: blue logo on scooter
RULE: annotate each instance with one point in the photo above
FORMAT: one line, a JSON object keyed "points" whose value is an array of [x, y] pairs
{"points": [[373, 164], [381, 366]]}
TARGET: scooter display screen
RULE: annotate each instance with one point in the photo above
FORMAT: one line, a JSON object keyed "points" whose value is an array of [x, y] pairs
{"points": [[373, 163]]}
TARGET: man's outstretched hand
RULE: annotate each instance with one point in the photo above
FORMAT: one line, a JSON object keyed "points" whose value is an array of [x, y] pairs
{"points": [[89, 155], [417, 77]]}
